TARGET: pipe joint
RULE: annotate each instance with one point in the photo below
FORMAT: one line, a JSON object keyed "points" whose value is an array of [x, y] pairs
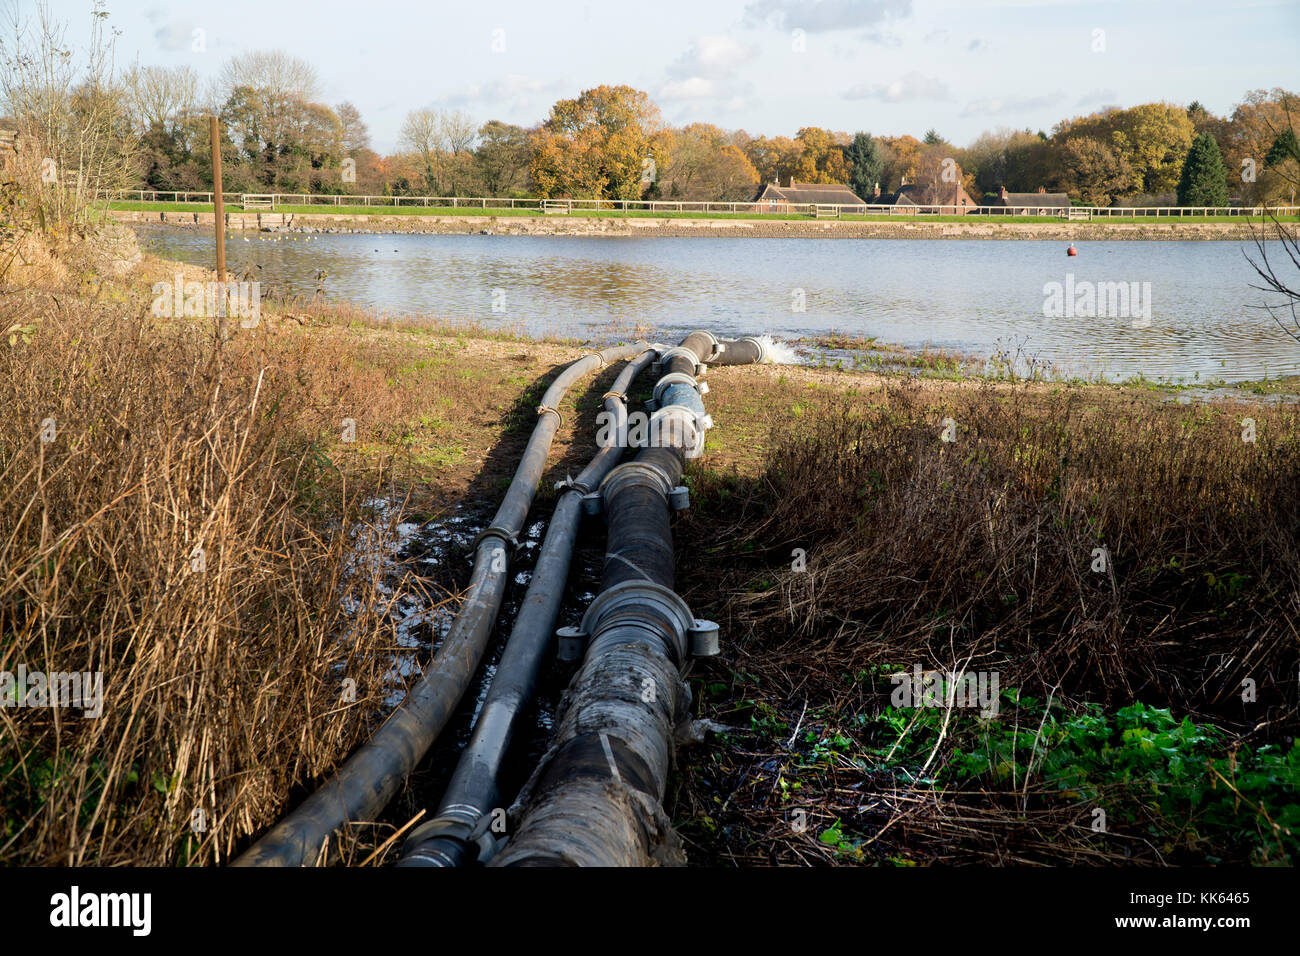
{"points": [[675, 378], [682, 423], [645, 604], [636, 473], [460, 830], [504, 535], [715, 346], [764, 353], [684, 352]]}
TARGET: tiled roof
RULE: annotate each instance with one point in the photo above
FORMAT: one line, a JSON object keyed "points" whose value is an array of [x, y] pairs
{"points": [[827, 193]]}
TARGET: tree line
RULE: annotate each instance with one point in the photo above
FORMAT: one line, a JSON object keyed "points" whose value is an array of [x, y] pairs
{"points": [[610, 142]]}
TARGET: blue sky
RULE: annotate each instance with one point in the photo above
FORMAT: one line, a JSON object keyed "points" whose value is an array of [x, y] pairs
{"points": [[767, 66]]}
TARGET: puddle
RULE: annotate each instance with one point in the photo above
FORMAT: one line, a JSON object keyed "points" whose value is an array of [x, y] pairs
{"points": [[426, 564]]}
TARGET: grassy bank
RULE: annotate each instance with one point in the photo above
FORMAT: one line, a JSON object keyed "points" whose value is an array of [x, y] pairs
{"points": [[834, 533], [323, 209], [1147, 703]]}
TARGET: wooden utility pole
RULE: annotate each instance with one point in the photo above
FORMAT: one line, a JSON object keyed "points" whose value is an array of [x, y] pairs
{"points": [[219, 207]]}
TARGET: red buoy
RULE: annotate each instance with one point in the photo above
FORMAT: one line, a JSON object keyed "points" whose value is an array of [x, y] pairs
{"points": [[1072, 251]]}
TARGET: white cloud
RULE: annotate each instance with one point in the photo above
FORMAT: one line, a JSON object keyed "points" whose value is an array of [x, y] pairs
{"points": [[816, 16], [692, 88], [511, 88], [711, 56], [910, 86], [707, 69], [1000, 106], [1098, 98], [979, 43], [171, 35], [881, 38]]}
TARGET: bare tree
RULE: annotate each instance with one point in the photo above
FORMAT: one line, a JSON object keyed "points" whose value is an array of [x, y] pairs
{"points": [[459, 131], [422, 134], [275, 73], [442, 140], [356, 136], [1285, 307], [1284, 158], [67, 104], [160, 97]]}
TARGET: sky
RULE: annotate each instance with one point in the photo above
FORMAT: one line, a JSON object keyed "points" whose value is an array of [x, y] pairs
{"points": [[767, 66]]}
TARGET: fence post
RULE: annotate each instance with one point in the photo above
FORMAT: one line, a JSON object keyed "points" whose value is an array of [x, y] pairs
{"points": [[219, 219]]}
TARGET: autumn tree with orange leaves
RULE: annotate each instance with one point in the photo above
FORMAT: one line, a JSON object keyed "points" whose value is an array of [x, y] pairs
{"points": [[609, 143]]}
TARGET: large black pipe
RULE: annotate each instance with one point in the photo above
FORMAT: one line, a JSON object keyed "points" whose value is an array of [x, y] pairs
{"points": [[746, 351], [365, 783], [596, 798], [459, 830], [639, 546]]}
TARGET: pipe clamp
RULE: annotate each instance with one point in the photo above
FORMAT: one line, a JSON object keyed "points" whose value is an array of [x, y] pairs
{"points": [[633, 596], [635, 471], [678, 350], [543, 409], [763, 351], [671, 379], [569, 483], [505, 535], [714, 342]]}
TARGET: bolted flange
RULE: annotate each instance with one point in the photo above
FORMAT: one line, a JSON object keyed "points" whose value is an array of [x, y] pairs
{"points": [[572, 644], [679, 499], [704, 638]]}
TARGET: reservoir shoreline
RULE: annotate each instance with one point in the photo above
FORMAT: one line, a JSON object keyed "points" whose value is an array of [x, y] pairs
{"points": [[590, 226]]}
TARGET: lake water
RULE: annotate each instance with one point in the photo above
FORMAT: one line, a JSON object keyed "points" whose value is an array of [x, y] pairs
{"points": [[978, 297]]}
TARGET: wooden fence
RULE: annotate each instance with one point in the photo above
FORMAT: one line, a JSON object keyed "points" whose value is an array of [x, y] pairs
{"points": [[268, 201]]}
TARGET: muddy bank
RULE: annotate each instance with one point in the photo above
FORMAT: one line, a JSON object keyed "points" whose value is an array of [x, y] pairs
{"points": [[719, 228]]}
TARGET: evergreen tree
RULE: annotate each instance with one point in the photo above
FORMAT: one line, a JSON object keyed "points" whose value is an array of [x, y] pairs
{"points": [[865, 164], [1204, 181], [1285, 147]]}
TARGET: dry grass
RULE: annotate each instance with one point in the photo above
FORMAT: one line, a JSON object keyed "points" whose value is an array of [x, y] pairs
{"points": [[978, 554], [224, 695], [223, 668]]}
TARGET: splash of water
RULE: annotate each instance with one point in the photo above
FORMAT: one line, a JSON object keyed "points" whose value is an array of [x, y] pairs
{"points": [[778, 353]]}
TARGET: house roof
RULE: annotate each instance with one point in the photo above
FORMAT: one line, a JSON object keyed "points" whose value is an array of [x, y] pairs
{"points": [[1038, 200], [929, 194], [827, 193]]}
